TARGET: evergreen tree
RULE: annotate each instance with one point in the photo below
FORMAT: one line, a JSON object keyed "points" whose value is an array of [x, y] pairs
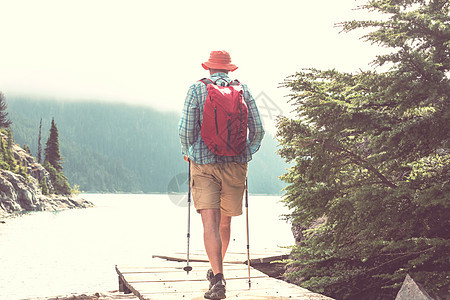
{"points": [[52, 153], [53, 162], [22, 169], [371, 155], [10, 156], [3, 149], [4, 156], [39, 156], [4, 121], [10, 136]]}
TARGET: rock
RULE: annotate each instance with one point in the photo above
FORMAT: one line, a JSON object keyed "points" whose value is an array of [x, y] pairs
{"points": [[14, 194], [18, 194], [297, 231], [35, 169], [58, 202], [411, 290]]}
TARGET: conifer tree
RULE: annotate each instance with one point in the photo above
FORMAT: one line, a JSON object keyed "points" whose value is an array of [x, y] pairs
{"points": [[39, 156], [4, 121], [53, 162], [10, 156], [3, 149], [4, 165], [10, 138], [371, 157], [52, 152]]}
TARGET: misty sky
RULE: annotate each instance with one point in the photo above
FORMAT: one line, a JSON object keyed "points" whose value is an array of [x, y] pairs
{"points": [[149, 52]]}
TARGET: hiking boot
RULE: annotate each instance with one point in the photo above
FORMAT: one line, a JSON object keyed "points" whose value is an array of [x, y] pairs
{"points": [[217, 290], [210, 277]]}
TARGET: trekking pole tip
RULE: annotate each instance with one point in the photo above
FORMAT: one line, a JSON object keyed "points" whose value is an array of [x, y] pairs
{"points": [[187, 269]]}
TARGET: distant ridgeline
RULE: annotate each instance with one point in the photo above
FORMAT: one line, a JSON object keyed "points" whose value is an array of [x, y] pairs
{"points": [[118, 148]]}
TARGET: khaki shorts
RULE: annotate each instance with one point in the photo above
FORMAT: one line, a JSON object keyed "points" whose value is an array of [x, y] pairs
{"points": [[219, 186]]}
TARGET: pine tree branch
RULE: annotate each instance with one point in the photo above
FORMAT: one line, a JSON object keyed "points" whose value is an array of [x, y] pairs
{"points": [[397, 258], [359, 161], [419, 70], [406, 253]]}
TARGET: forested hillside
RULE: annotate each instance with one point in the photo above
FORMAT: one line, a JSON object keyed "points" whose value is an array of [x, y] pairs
{"points": [[120, 148]]}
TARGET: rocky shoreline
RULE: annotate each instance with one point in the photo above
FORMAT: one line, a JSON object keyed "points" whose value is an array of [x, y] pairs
{"points": [[22, 193], [19, 195]]}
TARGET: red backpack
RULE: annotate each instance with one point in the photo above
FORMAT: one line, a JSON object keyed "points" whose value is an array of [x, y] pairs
{"points": [[225, 117]]}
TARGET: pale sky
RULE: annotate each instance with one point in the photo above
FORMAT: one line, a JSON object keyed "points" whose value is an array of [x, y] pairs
{"points": [[149, 52]]}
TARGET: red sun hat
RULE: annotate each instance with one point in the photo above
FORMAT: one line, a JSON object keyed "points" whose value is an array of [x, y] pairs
{"points": [[220, 60]]}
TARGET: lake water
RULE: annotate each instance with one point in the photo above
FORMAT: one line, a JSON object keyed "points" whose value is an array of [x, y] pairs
{"points": [[75, 251]]}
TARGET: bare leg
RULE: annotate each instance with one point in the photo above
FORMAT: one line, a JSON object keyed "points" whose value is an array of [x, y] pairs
{"points": [[211, 237], [225, 231]]}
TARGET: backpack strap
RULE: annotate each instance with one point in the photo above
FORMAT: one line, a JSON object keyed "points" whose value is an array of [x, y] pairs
{"points": [[235, 82], [207, 81]]}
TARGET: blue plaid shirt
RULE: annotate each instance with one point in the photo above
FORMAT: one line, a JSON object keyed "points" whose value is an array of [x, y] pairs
{"points": [[192, 144]]}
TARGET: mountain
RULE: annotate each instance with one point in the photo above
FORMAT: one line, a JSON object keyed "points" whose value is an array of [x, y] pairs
{"points": [[120, 148]]}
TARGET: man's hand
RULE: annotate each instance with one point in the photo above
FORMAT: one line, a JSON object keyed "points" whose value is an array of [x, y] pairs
{"points": [[186, 158]]}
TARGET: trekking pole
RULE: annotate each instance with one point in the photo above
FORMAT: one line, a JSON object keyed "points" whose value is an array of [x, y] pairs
{"points": [[248, 239], [188, 267]]}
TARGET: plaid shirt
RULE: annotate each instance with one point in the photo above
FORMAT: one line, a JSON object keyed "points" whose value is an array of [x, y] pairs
{"points": [[192, 144]]}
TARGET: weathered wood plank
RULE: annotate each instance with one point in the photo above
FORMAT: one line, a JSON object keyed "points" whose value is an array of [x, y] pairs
{"points": [[125, 287]]}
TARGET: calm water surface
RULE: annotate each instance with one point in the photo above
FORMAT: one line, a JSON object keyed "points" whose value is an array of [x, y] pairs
{"points": [[75, 251]]}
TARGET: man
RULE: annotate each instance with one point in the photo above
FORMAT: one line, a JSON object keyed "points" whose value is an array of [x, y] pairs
{"points": [[218, 182]]}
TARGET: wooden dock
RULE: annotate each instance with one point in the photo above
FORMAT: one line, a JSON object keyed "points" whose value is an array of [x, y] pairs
{"points": [[170, 281]]}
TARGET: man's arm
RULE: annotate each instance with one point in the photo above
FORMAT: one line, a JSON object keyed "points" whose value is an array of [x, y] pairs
{"points": [[187, 127], [255, 127]]}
